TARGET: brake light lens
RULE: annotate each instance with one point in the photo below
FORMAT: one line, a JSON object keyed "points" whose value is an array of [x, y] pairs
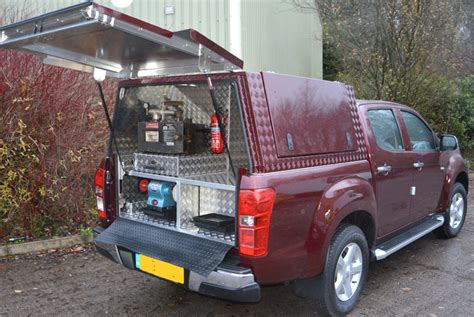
{"points": [[99, 192], [105, 194], [254, 211]]}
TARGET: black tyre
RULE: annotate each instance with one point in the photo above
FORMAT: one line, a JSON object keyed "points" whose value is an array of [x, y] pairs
{"points": [[345, 272], [455, 214]]}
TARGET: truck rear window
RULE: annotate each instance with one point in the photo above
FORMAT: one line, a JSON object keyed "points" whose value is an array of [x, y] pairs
{"points": [[385, 129]]}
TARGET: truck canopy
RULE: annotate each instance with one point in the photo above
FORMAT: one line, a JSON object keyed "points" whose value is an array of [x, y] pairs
{"points": [[89, 36]]}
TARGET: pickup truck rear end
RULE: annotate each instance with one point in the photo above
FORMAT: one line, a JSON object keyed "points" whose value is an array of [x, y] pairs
{"points": [[276, 220]]}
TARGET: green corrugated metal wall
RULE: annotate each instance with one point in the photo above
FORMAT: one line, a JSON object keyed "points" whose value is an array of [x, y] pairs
{"points": [[273, 34], [278, 37], [208, 16]]}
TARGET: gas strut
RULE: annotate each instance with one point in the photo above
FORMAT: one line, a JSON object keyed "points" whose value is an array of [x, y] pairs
{"points": [[215, 104], [112, 134]]}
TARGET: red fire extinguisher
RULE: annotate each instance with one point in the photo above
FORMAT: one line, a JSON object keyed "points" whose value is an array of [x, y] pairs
{"points": [[217, 143]]}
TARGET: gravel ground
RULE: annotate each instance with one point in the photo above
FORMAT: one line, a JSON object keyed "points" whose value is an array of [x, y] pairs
{"points": [[430, 277]]}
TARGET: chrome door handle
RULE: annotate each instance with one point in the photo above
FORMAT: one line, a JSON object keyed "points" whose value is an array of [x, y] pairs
{"points": [[418, 165], [385, 169]]}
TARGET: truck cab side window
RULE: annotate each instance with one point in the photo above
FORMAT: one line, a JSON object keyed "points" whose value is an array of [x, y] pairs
{"points": [[421, 137], [385, 129]]}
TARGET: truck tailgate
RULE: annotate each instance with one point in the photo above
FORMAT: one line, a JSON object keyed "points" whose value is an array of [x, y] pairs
{"points": [[196, 254]]}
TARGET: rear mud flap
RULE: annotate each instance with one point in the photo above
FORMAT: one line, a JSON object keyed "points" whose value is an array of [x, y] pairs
{"points": [[193, 253]]}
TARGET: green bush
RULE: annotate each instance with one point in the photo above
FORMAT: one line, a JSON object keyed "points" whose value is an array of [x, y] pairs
{"points": [[52, 137], [449, 107], [464, 111]]}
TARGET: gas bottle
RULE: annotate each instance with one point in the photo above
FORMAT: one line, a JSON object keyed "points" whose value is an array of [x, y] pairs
{"points": [[217, 143]]}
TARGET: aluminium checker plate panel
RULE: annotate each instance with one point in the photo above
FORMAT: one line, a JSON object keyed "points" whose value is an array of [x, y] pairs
{"points": [[180, 165], [197, 201]]}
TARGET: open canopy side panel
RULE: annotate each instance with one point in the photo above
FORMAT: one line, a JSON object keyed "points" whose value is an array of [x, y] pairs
{"points": [[88, 36]]}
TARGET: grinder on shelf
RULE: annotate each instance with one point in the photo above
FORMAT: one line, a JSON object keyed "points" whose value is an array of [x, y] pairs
{"points": [[166, 131], [160, 202]]}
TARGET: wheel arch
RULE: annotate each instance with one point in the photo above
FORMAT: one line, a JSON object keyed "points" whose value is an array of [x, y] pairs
{"points": [[351, 200], [456, 171], [365, 222], [463, 178]]}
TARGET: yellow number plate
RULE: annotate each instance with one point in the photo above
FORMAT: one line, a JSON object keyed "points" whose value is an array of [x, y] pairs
{"points": [[159, 268]]}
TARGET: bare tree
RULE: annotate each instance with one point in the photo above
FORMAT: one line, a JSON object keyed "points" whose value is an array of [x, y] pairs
{"points": [[392, 49]]}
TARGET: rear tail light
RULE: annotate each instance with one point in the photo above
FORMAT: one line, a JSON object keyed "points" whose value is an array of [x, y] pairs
{"points": [[254, 212], [99, 192], [105, 191]]}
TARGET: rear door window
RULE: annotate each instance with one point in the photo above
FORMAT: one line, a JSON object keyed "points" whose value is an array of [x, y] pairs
{"points": [[421, 137], [385, 129]]}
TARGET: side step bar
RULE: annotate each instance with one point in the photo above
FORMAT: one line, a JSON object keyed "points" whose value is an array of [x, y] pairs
{"points": [[398, 242]]}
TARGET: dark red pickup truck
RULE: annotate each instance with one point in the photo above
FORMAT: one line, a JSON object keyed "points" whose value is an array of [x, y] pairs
{"points": [[224, 181]]}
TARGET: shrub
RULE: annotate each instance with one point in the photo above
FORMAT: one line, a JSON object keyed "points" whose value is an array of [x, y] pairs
{"points": [[52, 136], [465, 116]]}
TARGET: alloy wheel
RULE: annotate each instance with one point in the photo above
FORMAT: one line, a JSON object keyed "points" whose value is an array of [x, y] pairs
{"points": [[348, 271], [456, 210]]}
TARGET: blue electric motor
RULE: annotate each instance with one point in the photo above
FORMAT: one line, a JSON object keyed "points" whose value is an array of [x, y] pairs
{"points": [[160, 196]]}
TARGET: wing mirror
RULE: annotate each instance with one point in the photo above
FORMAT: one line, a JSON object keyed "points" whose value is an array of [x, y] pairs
{"points": [[448, 142]]}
